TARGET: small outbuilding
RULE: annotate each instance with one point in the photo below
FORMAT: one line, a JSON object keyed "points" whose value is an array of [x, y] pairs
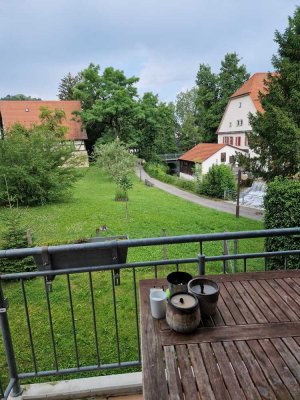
{"points": [[206, 155]]}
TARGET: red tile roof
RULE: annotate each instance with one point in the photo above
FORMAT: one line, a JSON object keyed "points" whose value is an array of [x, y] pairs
{"points": [[201, 152], [252, 87], [16, 111]]}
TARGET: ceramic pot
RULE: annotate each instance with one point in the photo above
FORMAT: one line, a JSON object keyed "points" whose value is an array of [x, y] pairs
{"points": [[183, 313]]}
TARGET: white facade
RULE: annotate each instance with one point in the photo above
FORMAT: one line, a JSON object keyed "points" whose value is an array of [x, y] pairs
{"points": [[222, 156], [235, 125]]}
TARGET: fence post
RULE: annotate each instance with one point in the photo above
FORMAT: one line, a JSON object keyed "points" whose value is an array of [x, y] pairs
{"points": [[235, 251], [8, 346], [201, 264]]}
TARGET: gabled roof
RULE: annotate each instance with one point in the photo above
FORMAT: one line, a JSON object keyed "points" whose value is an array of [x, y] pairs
{"points": [[201, 152], [27, 113], [252, 87]]}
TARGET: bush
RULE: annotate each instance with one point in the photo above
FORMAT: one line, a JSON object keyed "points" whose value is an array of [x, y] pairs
{"points": [[14, 237], [282, 210], [35, 166], [219, 179], [159, 171]]}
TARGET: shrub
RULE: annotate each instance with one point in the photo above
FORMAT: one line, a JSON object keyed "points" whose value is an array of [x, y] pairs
{"points": [[282, 210], [159, 171], [219, 179], [36, 166], [14, 237]]}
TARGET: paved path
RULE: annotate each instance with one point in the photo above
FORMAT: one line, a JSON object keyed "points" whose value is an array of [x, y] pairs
{"points": [[219, 205]]}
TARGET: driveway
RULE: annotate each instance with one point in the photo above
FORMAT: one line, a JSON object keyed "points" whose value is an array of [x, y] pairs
{"points": [[219, 205]]}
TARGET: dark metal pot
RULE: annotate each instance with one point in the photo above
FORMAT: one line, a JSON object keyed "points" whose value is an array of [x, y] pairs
{"points": [[207, 292], [178, 281], [183, 312]]}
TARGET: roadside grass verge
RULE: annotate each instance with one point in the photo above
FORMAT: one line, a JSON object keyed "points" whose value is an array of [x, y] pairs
{"points": [[93, 205]]}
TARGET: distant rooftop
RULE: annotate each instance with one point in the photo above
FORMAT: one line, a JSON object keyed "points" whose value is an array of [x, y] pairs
{"points": [[252, 87], [27, 113]]}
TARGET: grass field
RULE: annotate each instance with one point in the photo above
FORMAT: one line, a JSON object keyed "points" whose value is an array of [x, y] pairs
{"points": [[93, 205]]}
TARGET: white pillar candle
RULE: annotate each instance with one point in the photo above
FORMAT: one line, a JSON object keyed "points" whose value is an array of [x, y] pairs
{"points": [[158, 303]]}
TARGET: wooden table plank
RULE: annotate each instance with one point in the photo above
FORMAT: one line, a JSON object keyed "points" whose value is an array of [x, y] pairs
{"points": [[225, 313], [250, 303], [202, 379], [229, 333], [255, 372], [286, 297], [259, 302], [269, 370], [234, 310], [291, 343], [174, 381], [281, 367], [289, 357], [213, 372], [228, 374], [188, 381], [240, 303], [241, 371], [268, 300], [153, 364], [290, 287]]}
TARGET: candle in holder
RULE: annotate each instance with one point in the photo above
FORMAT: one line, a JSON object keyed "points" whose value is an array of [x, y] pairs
{"points": [[207, 292]]}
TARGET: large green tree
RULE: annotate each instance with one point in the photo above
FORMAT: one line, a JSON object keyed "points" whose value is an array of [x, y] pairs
{"points": [[157, 127], [109, 103], [36, 164], [276, 131], [186, 110], [213, 92]]}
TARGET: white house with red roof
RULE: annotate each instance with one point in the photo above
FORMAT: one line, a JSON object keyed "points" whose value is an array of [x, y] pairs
{"points": [[235, 127], [27, 114], [206, 155]]}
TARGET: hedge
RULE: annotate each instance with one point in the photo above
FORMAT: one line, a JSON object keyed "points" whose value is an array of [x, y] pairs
{"points": [[282, 210]]}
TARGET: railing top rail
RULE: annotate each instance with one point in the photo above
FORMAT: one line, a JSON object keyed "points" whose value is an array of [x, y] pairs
{"points": [[15, 253]]}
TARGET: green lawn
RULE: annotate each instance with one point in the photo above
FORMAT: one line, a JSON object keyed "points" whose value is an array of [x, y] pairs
{"points": [[150, 211]]}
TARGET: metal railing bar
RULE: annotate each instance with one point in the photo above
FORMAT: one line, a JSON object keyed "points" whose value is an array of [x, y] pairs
{"points": [[253, 255], [28, 325], [94, 317], [51, 324], [115, 316], [9, 387], [155, 271], [245, 264], [97, 268], [73, 320], [13, 253], [285, 262], [124, 364], [177, 267], [1, 389], [136, 312], [21, 275]]}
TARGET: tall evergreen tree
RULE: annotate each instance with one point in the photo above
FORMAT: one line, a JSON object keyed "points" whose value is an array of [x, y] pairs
{"points": [[213, 92], [66, 86], [276, 131]]}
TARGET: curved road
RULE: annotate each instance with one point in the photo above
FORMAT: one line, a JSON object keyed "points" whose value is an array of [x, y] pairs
{"points": [[219, 205]]}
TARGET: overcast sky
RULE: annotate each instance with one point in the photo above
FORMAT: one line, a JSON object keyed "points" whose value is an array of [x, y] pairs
{"points": [[160, 41]]}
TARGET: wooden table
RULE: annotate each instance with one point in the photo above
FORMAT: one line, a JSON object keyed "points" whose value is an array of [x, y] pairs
{"points": [[249, 350]]}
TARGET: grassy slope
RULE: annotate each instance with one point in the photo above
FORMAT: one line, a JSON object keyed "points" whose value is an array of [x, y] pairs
{"points": [[150, 210]]}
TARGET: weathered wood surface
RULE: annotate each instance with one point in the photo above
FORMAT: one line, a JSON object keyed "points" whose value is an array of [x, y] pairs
{"points": [[249, 350]]}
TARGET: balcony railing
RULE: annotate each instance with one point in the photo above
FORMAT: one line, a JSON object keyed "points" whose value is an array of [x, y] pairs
{"points": [[81, 321]]}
